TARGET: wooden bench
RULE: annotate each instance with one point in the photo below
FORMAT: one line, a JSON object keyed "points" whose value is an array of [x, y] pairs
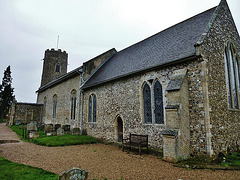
{"points": [[137, 141]]}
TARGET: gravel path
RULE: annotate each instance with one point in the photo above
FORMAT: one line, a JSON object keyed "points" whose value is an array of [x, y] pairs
{"points": [[101, 161]]}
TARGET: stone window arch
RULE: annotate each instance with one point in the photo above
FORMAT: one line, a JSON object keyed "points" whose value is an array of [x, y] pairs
{"points": [[54, 106], [92, 108], [232, 75], [73, 104], [152, 93]]}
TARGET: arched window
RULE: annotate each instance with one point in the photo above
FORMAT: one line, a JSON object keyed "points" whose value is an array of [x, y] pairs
{"points": [[232, 76], [153, 103], [73, 104], [92, 108], [147, 104], [54, 106], [57, 68], [158, 102], [44, 106]]}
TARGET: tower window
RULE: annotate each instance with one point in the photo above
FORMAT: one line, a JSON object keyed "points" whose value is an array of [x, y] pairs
{"points": [[57, 69]]}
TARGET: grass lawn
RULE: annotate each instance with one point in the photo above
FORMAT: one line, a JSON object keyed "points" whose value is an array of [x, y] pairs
{"points": [[65, 140], [232, 159], [10, 171]]}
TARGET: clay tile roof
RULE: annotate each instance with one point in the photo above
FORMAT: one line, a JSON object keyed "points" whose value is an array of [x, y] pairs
{"points": [[167, 46]]}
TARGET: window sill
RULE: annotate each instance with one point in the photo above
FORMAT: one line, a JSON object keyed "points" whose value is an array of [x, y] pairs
{"points": [[234, 110], [153, 124]]}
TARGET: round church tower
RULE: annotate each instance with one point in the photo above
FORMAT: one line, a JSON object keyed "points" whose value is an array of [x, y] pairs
{"points": [[54, 65]]}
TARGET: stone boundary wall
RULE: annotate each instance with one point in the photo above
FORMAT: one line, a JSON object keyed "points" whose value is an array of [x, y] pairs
{"points": [[25, 113]]}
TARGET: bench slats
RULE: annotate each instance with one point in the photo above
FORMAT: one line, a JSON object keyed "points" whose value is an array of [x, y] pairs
{"points": [[136, 140]]}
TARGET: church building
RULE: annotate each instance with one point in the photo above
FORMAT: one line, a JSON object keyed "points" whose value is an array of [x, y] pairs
{"points": [[181, 87]]}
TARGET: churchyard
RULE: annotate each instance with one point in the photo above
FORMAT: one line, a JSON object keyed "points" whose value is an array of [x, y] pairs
{"points": [[100, 160]]}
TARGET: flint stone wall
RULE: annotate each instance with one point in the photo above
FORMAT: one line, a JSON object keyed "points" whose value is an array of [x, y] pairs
{"points": [[25, 113], [124, 98], [224, 122]]}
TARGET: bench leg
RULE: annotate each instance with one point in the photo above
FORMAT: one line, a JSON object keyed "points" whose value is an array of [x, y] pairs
{"points": [[140, 152]]}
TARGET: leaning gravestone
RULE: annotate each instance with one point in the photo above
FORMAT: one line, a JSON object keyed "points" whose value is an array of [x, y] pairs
{"points": [[60, 132], [74, 174]]}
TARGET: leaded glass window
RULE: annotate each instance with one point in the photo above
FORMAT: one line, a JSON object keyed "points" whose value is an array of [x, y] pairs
{"points": [[73, 104], [92, 112], [54, 106], [147, 104], [94, 108], [232, 76], [158, 102], [90, 109]]}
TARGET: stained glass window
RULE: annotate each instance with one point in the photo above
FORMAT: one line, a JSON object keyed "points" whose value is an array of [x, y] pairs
{"points": [[90, 109], [158, 102], [54, 106], [92, 113], [147, 104], [94, 108], [232, 76]]}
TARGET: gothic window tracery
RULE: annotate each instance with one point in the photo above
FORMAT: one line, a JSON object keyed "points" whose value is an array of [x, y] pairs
{"points": [[153, 103]]}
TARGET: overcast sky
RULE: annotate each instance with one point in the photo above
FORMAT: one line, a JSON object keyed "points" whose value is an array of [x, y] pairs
{"points": [[86, 28]]}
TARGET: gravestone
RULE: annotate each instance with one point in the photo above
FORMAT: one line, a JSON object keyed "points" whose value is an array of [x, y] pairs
{"points": [[60, 132], [40, 126], [66, 128], [57, 126], [31, 127], [75, 174], [48, 129], [18, 122], [76, 131]]}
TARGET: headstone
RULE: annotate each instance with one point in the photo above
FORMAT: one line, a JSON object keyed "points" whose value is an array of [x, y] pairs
{"points": [[48, 128], [57, 126], [76, 131], [18, 122], [40, 126], [60, 132], [66, 128], [35, 135], [75, 174], [31, 127]]}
